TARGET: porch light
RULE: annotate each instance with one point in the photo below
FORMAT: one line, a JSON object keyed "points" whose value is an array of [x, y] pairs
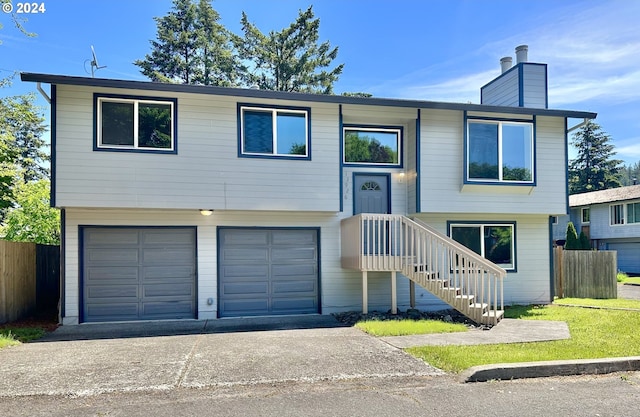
{"points": [[206, 212]]}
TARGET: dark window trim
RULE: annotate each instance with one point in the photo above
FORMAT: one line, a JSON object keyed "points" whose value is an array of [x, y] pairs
{"points": [[241, 154], [97, 147], [380, 128], [465, 177], [491, 223]]}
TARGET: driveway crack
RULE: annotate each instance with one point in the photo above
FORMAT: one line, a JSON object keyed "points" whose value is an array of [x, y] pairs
{"points": [[187, 363]]}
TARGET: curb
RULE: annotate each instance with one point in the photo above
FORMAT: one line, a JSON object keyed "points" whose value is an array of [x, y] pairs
{"points": [[506, 371]]}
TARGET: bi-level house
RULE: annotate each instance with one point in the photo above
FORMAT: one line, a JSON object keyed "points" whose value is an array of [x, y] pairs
{"points": [[197, 202], [611, 220]]}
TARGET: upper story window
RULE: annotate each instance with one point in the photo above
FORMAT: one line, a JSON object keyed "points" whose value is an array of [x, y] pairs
{"points": [[372, 146], [500, 152], [617, 214], [624, 213], [585, 215], [495, 242], [270, 132], [127, 123]]}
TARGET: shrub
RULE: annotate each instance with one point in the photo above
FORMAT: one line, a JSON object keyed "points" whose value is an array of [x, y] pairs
{"points": [[572, 238]]}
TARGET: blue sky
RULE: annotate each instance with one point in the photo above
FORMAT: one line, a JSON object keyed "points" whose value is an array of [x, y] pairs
{"points": [[442, 50]]}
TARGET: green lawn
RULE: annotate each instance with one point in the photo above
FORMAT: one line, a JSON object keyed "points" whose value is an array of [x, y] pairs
{"points": [[10, 336], [595, 333], [606, 303], [407, 327]]}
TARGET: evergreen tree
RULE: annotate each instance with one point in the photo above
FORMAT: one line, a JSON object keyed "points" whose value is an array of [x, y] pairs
{"points": [[288, 60], [585, 243], [593, 169], [631, 174], [572, 242], [191, 47]]}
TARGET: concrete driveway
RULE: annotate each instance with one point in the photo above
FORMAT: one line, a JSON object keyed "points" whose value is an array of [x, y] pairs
{"points": [[91, 359]]}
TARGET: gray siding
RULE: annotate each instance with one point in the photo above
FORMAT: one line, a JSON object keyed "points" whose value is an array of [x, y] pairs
{"points": [[534, 85], [506, 89], [601, 228]]}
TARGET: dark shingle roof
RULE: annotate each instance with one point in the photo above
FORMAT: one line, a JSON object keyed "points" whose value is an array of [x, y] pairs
{"points": [[605, 196]]}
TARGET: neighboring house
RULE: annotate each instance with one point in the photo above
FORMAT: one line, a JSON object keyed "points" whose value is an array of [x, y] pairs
{"points": [[182, 201], [611, 219]]}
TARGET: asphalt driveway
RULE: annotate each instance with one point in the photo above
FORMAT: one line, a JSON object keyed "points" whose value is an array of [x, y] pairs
{"points": [[91, 359]]}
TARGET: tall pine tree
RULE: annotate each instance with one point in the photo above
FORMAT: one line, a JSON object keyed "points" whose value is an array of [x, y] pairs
{"points": [[289, 60], [594, 167], [191, 47]]}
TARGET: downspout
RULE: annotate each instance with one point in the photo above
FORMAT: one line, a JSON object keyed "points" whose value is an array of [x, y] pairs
{"points": [[578, 126], [43, 93]]}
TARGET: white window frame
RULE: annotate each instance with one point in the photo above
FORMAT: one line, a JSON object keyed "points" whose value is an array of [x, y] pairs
{"points": [[395, 130], [482, 226], [274, 112], [582, 212], [626, 207], [136, 114], [623, 214], [500, 179]]}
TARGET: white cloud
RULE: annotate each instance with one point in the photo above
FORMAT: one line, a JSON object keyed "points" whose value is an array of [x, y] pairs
{"points": [[592, 54]]}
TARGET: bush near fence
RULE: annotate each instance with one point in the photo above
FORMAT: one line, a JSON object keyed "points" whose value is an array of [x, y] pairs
{"points": [[585, 274], [29, 279]]}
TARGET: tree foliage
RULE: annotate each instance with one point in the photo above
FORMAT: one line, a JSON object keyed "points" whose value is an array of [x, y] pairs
{"points": [[21, 129], [33, 220], [362, 148], [594, 167], [288, 60], [572, 242], [630, 174], [191, 47], [585, 243]]}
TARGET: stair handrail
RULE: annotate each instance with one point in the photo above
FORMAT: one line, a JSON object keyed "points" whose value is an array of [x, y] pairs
{"points": [[444, 239]]}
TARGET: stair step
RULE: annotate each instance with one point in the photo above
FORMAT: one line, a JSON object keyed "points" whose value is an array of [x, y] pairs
{"points": [[494, 313], [466, 297], [479, 306]]}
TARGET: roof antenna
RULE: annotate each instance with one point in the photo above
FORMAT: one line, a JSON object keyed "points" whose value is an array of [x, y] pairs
{"points": [[94, 63]]}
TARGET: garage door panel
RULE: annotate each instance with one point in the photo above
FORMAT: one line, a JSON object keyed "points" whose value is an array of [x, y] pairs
{"points": [[168, 291], [293, 237], [111, 312], [174, 310], [289, 305], [294, 270], [244, 237], [254, 254], [153, 279], [293, 254], [275, 273], [115, 273], [167, 256], [111, 256], [294, 287], [241, 288], [246, 272], [110, 293], [169, 273], [116, 237], [245, 307], [174, 239]]}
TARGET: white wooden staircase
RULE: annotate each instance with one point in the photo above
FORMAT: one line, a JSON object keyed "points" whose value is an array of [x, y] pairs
{"points": [[455, 274]]}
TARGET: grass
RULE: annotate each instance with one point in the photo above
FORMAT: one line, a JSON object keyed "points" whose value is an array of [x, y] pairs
{"points": [[595, 333], [624, 278], [407, 327], [606, 303], [10, 336]]}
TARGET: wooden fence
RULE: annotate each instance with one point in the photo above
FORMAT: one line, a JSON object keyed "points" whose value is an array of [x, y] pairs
{"points": [[17, 280], [29, 279], [585, 274]]}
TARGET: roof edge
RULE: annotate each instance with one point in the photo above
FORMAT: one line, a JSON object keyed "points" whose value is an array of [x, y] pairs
{"points": [[281, 95]]}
